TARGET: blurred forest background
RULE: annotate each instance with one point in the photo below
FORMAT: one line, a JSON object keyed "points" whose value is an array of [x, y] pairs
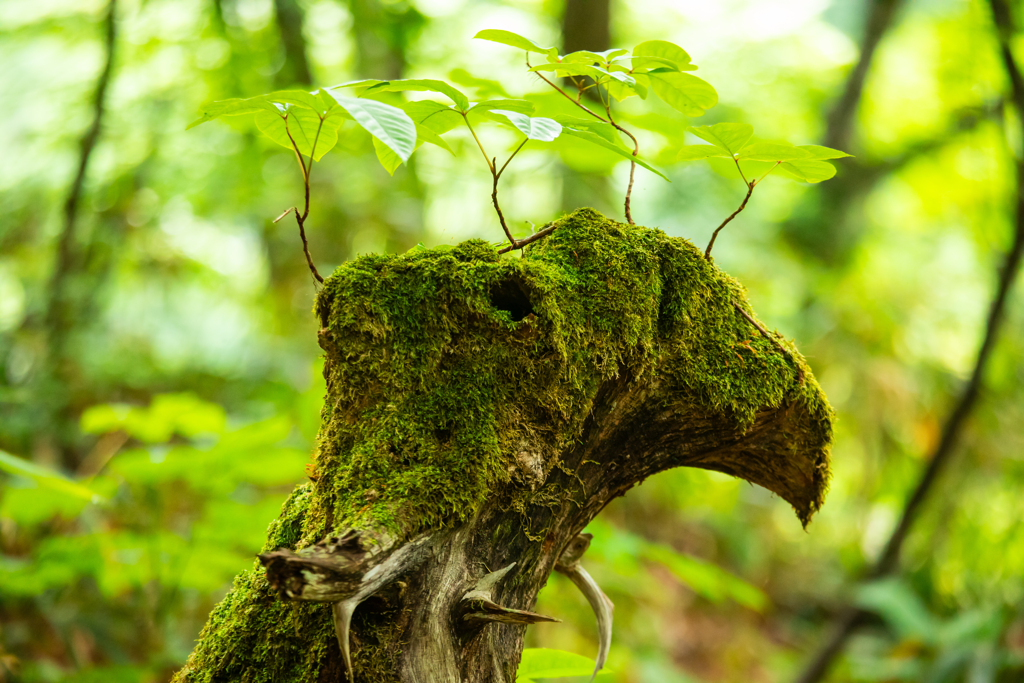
{"points": [[157, 345]]}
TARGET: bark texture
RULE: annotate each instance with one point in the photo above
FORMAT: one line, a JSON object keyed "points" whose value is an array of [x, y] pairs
{"points": [[481, 410]]}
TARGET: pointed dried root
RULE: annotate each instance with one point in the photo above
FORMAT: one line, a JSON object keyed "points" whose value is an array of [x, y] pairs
{"points": [[480, 604], [569, 564], [344, 570]]}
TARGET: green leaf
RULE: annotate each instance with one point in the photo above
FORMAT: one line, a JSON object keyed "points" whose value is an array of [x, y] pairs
{"points": [[28, 503], [588, 57], [484, 86], [563, 69], [698, 152], [232, 107], [900, 607], [602, 142], [772, 151], [364, 82], [391, 161], [390, 125], [425, 134], [299, 98], [433, 115], [621, 77], [514, 40], [725, 166], [167, 415], [808, 170], [729, 136], [613, 53], [305, 128], [387, 158], [705, 578], [46, 478], [648, 63], [662, 50], [534, 128], [541, 662], [684, 92], [582, 57], [603, 129], [821, 153], [520, 106], [620, 90], [422, 85]]}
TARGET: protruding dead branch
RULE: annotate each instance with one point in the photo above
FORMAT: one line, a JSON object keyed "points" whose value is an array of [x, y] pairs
{"points": [[569, 564], [481, 605]]}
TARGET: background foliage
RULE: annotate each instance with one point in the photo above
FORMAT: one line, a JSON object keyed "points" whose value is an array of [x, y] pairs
{"points": [[171, 371]]}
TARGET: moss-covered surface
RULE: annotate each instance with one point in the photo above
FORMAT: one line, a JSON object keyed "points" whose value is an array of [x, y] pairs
{"points": [[441, 362]]}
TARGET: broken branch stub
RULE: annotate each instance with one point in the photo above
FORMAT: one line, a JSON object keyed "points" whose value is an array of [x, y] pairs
{"points": [[480, 411]]}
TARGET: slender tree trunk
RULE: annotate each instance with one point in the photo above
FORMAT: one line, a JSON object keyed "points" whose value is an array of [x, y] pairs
{"points": [[480, 411], [586, 25], [56, 378], [851, 618], [837, 204], [296, 65], [382, 34]]}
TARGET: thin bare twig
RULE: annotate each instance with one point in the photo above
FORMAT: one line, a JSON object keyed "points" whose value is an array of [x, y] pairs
{"points": [[888, 563], [492, 166], [714, 235], [496, 174], [750, 190], [770, 337], [497, 208], [566, 95], [540, 234], [610, 120], [514, 153], [632, 163], [301, 220]]}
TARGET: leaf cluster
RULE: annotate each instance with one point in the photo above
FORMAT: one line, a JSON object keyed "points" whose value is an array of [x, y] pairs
{"points": [[309, 122], [736, 141]]}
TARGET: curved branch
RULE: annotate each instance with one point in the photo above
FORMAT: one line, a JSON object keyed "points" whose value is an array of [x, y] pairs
{"points": [[64, 266], [840, 118], [888, 562]]}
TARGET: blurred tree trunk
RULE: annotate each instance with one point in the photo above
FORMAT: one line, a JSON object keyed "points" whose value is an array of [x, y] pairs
{"points": [[850, 618], [480, 412], [383, 33], [56, 438], [295, 70], [837, 204], [586, 25]]}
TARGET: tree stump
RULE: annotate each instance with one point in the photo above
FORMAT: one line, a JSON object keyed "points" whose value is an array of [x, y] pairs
{"points": [[480, 411]]}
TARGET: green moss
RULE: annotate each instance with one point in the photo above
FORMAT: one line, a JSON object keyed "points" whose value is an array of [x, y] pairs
{"points": [[442, 362], [433, 384]]}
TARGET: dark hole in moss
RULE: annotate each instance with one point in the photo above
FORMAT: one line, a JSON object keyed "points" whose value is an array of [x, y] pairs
{"points": [[510, 295], [398, 457], [443, 435]]}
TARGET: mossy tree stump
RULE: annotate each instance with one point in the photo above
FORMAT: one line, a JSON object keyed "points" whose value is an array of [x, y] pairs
{"points": [[480, 411]]}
